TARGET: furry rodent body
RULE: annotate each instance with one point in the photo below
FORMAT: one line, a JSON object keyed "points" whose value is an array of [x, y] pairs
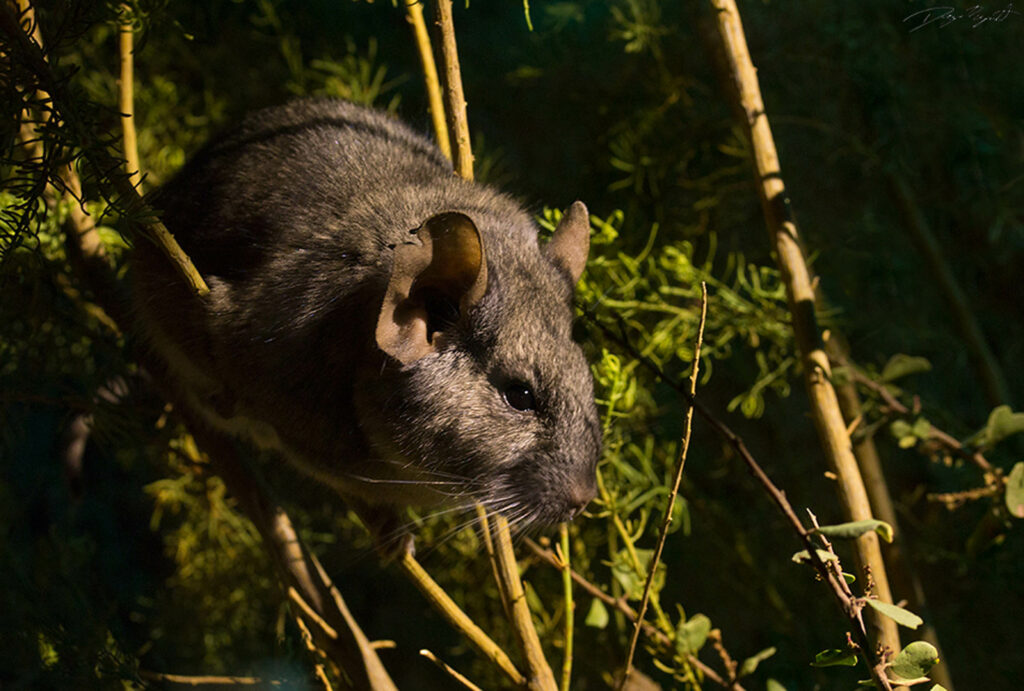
{"points": [[325, 337]]}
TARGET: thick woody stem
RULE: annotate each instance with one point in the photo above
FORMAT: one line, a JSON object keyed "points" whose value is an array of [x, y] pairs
{"points": [[126, 98], [796, 275]]}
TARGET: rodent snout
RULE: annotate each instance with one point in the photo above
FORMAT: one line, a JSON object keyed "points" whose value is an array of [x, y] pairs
{"points": [[580, 495]]}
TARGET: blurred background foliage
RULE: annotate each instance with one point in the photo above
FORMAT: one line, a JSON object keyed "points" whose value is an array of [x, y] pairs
{"points": [[135, 558]]}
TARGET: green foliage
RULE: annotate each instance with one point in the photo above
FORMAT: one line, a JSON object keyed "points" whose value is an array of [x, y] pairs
{"points": [[854, 529], [914, 661], [1015, 491], [897, 614], [692, 634]]}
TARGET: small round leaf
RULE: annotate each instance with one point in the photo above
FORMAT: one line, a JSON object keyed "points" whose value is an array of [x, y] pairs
{"points": [[914, 661]]}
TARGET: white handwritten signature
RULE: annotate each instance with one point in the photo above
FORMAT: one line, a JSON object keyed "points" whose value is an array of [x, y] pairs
{"points": [[944, 16]]}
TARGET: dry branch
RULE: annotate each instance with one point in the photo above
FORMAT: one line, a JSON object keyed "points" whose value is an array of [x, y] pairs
{"points": [[440, 600], [541, 678], [414, 15], [458, 124]]}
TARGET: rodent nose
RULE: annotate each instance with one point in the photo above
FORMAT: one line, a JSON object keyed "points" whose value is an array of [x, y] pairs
{"points": [[580, 496]]}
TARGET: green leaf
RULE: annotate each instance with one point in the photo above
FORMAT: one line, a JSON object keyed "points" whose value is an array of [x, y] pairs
{"points": [[804, 557], [901, 365], [1002, 422], [854, 529], [849, 578], [914, 661], [834, 657], [692, 634], [630, 579], [751, 663], [773, 685], [921, 428], [1015, 491], [898, 614], [938, 687], [597, 616]]}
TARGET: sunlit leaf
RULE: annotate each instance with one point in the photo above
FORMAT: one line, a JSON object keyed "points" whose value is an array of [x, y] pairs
{"points": [[835, 657], [854, 529], [902, 365], [1002, 422], [915, 661], [751, 663], [804, 557], [692, 634], [1015, 491], [597, 615], [901, 616]]}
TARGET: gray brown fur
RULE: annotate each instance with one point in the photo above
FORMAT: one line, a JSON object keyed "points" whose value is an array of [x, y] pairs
{"points": [[293, 219]]}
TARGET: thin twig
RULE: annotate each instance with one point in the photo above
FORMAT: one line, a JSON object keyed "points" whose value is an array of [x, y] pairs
{"points": [[541, 678], [455, 108], [414, 15], [453, 673], [443, 603], [681, 461]]}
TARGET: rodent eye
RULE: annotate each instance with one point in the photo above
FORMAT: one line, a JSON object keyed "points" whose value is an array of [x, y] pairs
{"points": [[519, 396]]}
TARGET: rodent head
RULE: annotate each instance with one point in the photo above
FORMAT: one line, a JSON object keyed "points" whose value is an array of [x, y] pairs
{"points": [[485, 394]]}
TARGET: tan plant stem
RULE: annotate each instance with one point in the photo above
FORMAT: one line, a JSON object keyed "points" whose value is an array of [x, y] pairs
{"points": [[828, 419], [191, 681], [985, 364], [126, 97], [541, 678], [492, 557], [620, 605], [570, 604], [443, 603], [25, 49], [449, 670], [680, 462], [458, 123], [414, 15]]}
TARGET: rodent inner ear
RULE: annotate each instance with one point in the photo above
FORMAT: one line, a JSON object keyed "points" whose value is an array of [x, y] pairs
{"points": [[442, 311]]}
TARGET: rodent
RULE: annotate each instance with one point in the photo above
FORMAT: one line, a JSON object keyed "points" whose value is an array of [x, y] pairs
{"points": [[396, 332]]}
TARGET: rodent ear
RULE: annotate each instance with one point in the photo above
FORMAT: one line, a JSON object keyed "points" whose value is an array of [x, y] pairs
{"points": [[569, 245], [432, 282]]}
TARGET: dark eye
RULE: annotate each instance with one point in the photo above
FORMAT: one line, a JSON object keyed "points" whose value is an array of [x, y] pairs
{"points": [[519, 396]]}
